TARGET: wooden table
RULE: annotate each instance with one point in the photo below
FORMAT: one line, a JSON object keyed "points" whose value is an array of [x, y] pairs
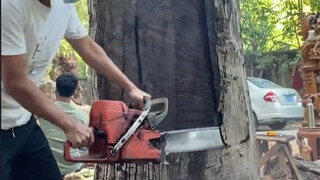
{"points": [[281, 149]]}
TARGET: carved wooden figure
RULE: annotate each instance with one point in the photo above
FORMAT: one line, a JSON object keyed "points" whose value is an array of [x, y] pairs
{"points": [[67, 64], [311, 63]]}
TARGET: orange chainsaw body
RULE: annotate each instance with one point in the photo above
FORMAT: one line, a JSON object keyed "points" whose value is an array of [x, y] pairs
{"points": [[110, 121]]}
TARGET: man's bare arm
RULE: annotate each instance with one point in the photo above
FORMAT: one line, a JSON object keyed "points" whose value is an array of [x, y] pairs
{"points": [[96, 58], [19, 86]]}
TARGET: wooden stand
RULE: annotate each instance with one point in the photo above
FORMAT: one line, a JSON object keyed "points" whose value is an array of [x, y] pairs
{"points": [[282, 151], [313, 136]]}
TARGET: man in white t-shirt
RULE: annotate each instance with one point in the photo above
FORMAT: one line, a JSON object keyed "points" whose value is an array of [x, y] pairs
{"points": [[31, 31]]}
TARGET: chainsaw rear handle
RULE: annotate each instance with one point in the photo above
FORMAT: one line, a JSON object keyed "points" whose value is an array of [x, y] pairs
{"points": [[87, 158], [92, 158]]}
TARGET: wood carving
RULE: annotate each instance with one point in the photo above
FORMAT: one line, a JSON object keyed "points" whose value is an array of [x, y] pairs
{"points": [[48, 88], [306, 26], [67, 64], [310, 50]]}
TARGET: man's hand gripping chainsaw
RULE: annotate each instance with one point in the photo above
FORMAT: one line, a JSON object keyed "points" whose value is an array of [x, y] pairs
{"points": [[122, 133]]}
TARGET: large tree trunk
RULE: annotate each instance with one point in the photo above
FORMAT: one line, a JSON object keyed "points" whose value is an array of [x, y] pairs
{"points": [[191, 52]]}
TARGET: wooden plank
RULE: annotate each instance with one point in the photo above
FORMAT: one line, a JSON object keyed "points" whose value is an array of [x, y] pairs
{"points": [[283, 163], [277, 174], [262, 147], [283, 138], [269, 154], [272, 162], [292, 163]]}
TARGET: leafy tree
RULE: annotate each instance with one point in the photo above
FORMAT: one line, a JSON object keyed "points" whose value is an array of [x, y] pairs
{"points": [[65, 49], [273, 25], [258, 22], [314, 5], [266, 25]]}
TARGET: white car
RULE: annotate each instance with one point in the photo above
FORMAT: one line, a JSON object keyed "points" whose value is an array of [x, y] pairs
{"points": [[272, 104]]}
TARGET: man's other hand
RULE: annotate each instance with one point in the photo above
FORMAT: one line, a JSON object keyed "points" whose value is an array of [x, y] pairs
{"points": [[80, 136]]}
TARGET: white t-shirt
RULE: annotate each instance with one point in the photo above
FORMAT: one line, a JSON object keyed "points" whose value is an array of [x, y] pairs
{"points": [[28, 27]]}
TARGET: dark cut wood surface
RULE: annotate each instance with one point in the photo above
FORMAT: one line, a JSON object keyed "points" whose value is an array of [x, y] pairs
{"points": [[157, 27], [167, 48]]}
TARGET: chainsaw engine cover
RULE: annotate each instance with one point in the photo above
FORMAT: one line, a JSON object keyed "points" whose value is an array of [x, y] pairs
{"points": [[112, 117]]}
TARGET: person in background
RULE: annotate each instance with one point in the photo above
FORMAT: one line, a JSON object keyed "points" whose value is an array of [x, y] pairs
{"points": [[66, 85], [296, 79]]}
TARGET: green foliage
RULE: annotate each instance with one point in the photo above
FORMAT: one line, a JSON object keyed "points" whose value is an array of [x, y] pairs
{"points": [[266, 25], [65, 48], [257, 23], [273, 25], [315, 5], [82, 10]]}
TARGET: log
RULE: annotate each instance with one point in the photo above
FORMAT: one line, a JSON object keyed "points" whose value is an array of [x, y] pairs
{"points": [[191, 53], [309, 170]]}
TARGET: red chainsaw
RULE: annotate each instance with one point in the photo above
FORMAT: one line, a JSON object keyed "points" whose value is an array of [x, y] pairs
{"points": [[123, 133]]}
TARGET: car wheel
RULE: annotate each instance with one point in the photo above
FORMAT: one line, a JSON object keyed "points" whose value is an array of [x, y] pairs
{"points": [[278, 126]]}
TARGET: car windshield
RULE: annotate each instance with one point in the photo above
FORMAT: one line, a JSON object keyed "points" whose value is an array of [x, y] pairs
{"points": [[262, 83]]}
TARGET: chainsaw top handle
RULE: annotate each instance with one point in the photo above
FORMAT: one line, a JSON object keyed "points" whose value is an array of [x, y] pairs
{"points": [[146, 101]]}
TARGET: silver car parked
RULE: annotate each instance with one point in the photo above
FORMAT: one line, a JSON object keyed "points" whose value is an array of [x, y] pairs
{"points": [[272, 104]]}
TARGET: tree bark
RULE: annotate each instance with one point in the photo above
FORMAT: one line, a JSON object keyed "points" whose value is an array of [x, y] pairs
{"points": [[191, 52]]}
